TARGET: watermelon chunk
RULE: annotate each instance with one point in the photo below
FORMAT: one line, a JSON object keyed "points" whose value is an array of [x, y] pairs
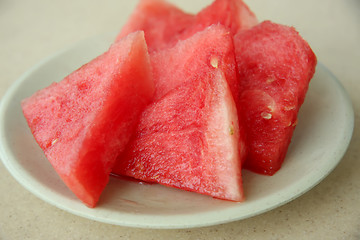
{"points": [[275, 67], [187, 127], [188, 139], [161, 21], [233, 14], [164, 24], [84, 121], [198, 56], [208, 49]]}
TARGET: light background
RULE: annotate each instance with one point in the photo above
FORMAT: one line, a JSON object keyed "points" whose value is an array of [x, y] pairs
{"points": [[31, 30]]}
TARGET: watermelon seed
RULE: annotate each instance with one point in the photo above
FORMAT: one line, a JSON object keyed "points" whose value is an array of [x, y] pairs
{"points": [[289, 108], [231, 130], [54, 141], [270, 80], [295, 123], [271, 108], [214, 61], [266, 115]]}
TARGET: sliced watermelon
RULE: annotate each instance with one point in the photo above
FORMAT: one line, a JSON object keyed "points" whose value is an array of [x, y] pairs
{"points": [[164, 24], [197, 57], [275, 66], [192, 127], [84, 121], [233, 14], [188, 139], [202, 53], [161, 21]]}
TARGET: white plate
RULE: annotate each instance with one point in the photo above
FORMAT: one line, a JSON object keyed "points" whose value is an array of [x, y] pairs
{"points": [[325, 127]]}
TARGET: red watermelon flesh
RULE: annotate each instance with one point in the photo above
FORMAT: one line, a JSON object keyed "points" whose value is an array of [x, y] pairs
{"points": [[188, 139], [233, 14], [164, 24], [198, 56], [203, 52], [161, 21], [275, 66], [84, 121]]}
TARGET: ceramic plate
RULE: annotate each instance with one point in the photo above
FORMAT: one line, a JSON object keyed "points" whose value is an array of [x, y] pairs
{"points": [[320, 140]]}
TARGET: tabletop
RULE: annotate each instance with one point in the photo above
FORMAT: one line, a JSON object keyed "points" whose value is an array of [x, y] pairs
{"points": [[33, 30]]}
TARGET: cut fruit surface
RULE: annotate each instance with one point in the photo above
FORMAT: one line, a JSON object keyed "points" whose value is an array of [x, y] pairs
{"points": [[188, 139], [161, 21], [233, 14], [197, 57], [275, 67], [164, 24], [85, 120]]}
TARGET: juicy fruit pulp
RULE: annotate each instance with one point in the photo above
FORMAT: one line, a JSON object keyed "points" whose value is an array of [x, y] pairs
{"points": [[233, 14], [195, 56], [198, 56], [189, 140], [160, 20], [275, 67], [190, 137], [194, 114], [164, 24], [84, 121]]}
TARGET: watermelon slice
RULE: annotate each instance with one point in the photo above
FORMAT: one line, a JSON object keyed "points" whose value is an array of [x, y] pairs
{"points": [[84, 121], [160, 20], [164, 24], [202, 53], [233, 14], [198, 56], [189, 140], [275, 66], [187, 127]]}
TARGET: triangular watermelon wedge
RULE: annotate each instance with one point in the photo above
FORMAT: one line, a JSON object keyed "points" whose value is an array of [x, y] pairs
{"points": [[198, 56], [275, 67], [192, 127], [83, 122], [189, 140]]}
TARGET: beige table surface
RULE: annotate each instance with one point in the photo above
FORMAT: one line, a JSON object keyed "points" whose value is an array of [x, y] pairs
{"points": [[31, 30]]}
